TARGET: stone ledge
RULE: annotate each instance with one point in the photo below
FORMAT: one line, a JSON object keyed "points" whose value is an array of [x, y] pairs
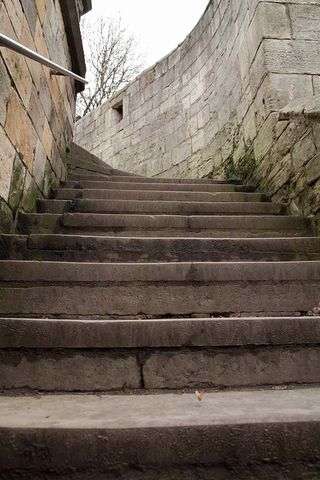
{"points": [[308, 107]]}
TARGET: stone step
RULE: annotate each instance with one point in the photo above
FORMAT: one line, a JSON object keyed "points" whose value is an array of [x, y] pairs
{"points": [[166, 225], [185, 187], [85, 248], [73, 193], [254, 434], [94, 167], [52, 354], [161, 207], [91, 168], [81, 289], [81, 173], [134, 178]]}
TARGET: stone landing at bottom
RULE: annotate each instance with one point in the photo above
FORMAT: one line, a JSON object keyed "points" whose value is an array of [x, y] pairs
{"points": [[92, 436]]}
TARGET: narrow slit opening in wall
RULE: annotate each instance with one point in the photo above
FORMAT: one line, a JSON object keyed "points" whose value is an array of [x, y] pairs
{"points": [[118, 110]]}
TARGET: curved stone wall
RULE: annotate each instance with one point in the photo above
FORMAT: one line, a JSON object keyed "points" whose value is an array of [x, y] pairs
{"points": [[210, 108]]}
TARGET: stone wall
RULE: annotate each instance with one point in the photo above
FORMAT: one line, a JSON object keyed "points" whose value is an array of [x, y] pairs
{"points": [[296, 177], [36, 109], [210, 108]]}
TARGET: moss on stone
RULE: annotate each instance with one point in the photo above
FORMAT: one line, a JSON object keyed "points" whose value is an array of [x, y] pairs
{"points": [[229, 169], [30, 195], [6, 217], [17, 180], [317, 224], [247, 167]]}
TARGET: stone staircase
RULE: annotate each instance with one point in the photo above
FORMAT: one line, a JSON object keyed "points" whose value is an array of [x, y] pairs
{"points": [[124, 295]]}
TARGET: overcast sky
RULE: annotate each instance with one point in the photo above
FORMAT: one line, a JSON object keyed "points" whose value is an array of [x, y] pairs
{"points": [[159, 26]]}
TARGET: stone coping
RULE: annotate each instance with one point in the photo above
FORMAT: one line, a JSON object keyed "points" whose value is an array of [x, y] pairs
{"points": [[308, 107]]}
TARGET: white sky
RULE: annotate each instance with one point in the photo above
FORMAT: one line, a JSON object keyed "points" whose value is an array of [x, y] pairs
{"points": [[158, 25]]}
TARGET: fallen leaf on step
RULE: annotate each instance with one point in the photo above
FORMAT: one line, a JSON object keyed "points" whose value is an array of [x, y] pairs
{"points": [[199, 395]]}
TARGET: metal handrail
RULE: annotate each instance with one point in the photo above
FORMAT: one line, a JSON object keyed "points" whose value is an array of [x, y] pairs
{"points": [[27, 52]]}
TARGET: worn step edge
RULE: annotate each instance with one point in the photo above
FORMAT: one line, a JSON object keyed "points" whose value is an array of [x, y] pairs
{"points": [[161, 195], [187, 222], [172, 187], [179, 222], [121, 225], [133, 178], [187, 272], [110, 248], [159, 206], [158, 333]]}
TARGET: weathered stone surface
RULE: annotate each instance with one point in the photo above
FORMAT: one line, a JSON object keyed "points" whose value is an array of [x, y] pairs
{"points": [[266, 137], [64, 371], [21, 133], [39, 165], [28, 93], [313, 169], [222, 90], [292, 56], [30, 12], [281, 173], [36, 112], [6, 218], [7, 154], [17, 181], [284, 88], [5, 91], [30, 194], [303, 150], [304, 21], [225, 368]]}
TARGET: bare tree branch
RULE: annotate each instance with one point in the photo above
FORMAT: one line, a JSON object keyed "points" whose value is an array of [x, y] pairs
{"points": [[112, 61]]}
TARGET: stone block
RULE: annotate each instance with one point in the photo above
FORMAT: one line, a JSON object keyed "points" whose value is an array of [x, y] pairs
{"points": [[7, 154], [249, 126], [258, 69], [292, 56], [34, 67], [39, 164], [279, 89], [31, 194], [280, 174], [15, 14], [313, 169], [316, 134], [305, 21], [5, 89], [20, 74], [47, 139], [303, 150], [316, 84], [65, 371], [30, 11], [265, 137], [290, 136], [17, 181], [41, 9], [198, 141], [269, 21], [21, 133], [45, 96], [6, 217], [36, 112]]}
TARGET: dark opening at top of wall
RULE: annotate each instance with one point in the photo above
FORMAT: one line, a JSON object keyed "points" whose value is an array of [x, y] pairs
{"points": [[118, 111]]}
